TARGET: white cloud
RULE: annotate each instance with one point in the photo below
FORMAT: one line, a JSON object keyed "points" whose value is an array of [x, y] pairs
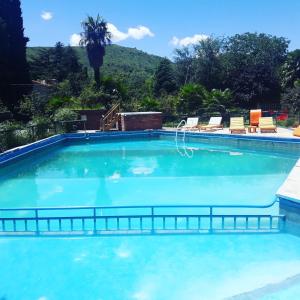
{"points": [[75, 39], [189, 40], [136, 33], [47, 15]]}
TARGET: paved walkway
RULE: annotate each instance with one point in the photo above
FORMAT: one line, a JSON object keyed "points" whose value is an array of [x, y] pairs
{"points": [[281, 132]]}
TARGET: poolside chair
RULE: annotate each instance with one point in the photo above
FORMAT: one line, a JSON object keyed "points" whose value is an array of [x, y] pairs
{"points": [[237, 125], [191, 124], [297, 131], [266, 124], [213, 124], [255, 114]]}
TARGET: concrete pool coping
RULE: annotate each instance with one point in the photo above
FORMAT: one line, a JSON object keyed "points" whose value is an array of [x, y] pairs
{"points": [[290, 189]]}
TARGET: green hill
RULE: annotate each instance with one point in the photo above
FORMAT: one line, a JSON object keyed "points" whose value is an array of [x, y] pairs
{"points": [[131, 65]]}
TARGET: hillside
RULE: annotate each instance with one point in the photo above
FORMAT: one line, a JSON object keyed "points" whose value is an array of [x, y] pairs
{"points": [[132, 65]]}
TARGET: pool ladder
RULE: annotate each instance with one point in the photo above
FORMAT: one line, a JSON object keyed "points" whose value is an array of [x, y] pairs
{"points": [[184, 151]]}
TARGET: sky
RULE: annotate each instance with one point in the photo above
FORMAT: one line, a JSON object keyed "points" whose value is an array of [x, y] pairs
{"points": [[160, 26]]}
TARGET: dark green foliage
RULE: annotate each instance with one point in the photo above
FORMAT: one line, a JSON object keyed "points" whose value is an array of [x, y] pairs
{"points": [[219, 101], [13, 66], [191, 98], [164, 79], [291, 99], [59, 63], [290, 71], [95, 37], [184, 60], [209, 70], [249, 64], [149, 104], [252, 64], [131, 66]]}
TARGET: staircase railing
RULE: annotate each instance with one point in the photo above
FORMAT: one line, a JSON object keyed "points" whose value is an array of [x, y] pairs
{"points": [[110, 118]]}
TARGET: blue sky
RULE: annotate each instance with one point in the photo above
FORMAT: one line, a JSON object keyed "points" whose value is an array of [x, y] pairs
{"points": [[159, 26]]}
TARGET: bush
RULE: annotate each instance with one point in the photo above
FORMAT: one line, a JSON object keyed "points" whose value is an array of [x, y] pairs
{"points": [[40, 129], [149, 104], [12, 135], [62, 115]]}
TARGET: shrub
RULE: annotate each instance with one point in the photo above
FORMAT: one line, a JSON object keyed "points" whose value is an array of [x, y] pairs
{"points": [[40, 127], [149, 104], [12, 135], [62, 115]]}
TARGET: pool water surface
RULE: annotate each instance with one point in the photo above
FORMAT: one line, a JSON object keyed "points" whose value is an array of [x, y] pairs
{"points": [[143, 172]]}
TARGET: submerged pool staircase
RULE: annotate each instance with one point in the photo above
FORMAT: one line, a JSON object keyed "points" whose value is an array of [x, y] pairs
{"points": [[158, 219]]}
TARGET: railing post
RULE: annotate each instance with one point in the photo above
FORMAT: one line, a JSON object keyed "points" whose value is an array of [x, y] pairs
{"points": [[210, 219], [37, 229], [94, 219], [152, 219]]}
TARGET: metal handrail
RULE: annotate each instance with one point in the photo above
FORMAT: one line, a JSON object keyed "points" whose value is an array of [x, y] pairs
{"points": [[139, 207]]}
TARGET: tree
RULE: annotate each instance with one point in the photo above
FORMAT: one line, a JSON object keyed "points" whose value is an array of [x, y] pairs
{"points": [[252, 63], [164, 79], [13, 65], [191, 98], [218, 101], [184, 59], [290, 71], [208, 69], [95, 37], [291, 98]]}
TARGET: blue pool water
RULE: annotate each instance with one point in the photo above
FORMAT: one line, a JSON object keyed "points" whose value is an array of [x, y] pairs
{"points": [[143, 172], [179, 267], [156, 267]]}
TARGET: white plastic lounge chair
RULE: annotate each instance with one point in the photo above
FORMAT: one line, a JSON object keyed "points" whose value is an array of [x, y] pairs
{"points": [[213, 124], [191, 124]]}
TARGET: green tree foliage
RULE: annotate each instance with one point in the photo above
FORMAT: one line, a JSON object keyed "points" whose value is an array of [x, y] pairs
{"points": [[95, 37], [218, 101], [184, 62], [13, 64], [248, 64], [291, 98], [164, 79], [59, 63], [191, 98], [290, 71], [252, 64], [149, 104], [208, 63]]}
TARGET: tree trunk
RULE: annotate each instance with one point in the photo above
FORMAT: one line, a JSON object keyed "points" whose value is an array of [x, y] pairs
{"points": [[97, 76]]}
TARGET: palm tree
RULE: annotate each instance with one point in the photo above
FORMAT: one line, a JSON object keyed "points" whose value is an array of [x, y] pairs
{"points": [[95, 37]]}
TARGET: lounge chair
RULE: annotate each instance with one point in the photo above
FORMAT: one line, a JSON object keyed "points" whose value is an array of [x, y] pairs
{"points": [[213, 124], [191, 124], [237, 125], [297, 131], [266, 124], [255, 114]]}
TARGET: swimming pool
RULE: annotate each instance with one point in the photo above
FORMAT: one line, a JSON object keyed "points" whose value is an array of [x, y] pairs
{"points": [[147, 171], [178, 267], [144, 172]]}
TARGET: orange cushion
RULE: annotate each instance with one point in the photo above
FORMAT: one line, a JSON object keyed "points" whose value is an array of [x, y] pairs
{"points": [[297, 131], [254, 117]]}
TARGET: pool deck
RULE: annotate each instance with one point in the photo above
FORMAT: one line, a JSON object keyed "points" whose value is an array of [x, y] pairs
{"points": [[281, 132]]}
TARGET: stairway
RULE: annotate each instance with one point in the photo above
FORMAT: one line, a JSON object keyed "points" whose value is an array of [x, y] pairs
{"points": [[110, 119]]}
